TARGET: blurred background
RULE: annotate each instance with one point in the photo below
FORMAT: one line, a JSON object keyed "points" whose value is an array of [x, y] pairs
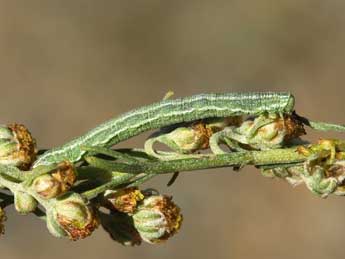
{"points": [[66, 66]]}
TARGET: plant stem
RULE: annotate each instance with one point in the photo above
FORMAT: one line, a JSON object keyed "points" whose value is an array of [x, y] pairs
{"points": [[150, 169], [277, 156], [14, 172], [267, 157], [121, 178]]}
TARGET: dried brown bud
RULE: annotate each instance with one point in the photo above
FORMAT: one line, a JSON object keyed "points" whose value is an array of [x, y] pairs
{"points": [[337, 171], [282, 129], [17, 147], [124, 200], [294, 128], [56, 182], [72, 216]]}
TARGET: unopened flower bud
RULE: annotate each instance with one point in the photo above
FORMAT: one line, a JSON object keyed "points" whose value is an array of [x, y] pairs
{"points": [[272, 134], [337, 171], [71, 216], [120, 228], [56, 182], [317, 180], [124, 200], [186, 140], [24, 203], [17, 147], [2, 220], [157, 218]]}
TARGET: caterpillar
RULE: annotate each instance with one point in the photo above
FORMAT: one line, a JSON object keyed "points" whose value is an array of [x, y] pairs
{"points": [[169, 112]]}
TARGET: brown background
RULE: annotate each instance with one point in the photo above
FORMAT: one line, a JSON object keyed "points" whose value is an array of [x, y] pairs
{"points": [[66, 66]]}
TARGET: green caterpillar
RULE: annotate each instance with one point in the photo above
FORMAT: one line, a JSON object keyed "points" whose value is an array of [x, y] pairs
{"points": [[169, 112]]}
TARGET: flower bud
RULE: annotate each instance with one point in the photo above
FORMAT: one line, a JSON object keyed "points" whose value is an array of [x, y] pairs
{"points": [[71, 216], [24, 203], [17, 147], [157, 219], [337, 171], [56, 182], [317, 180], [2, 220], [123, 200], [186, 140], [120, 228], [272, 134], [53, 225]]}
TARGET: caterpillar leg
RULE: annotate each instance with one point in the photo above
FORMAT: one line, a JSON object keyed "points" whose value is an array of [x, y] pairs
{"points": [[168, 95]]}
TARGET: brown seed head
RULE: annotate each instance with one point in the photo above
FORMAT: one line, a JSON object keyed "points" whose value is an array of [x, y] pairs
{"points": [[56, 182], [294, 128], [65, 174], [75, 217], [124, 200], [26, 152]]}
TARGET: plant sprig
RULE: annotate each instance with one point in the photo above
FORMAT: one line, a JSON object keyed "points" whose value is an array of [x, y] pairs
{"points": [[70, 196]]}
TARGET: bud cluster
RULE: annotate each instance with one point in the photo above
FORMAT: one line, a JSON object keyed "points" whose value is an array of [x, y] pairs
{"points": [[265, 132], [324, 171], [189, 139], [152, 218], [93, 185]]}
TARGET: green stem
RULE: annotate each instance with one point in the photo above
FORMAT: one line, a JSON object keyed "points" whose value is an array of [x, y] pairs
{"points": [[150, 169], [94, 173], [111, 153], [112, 166], [14, 172], [121, 178], [141, 180], [322, 126], [277, 156], [12, 186], [267, 157]]}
